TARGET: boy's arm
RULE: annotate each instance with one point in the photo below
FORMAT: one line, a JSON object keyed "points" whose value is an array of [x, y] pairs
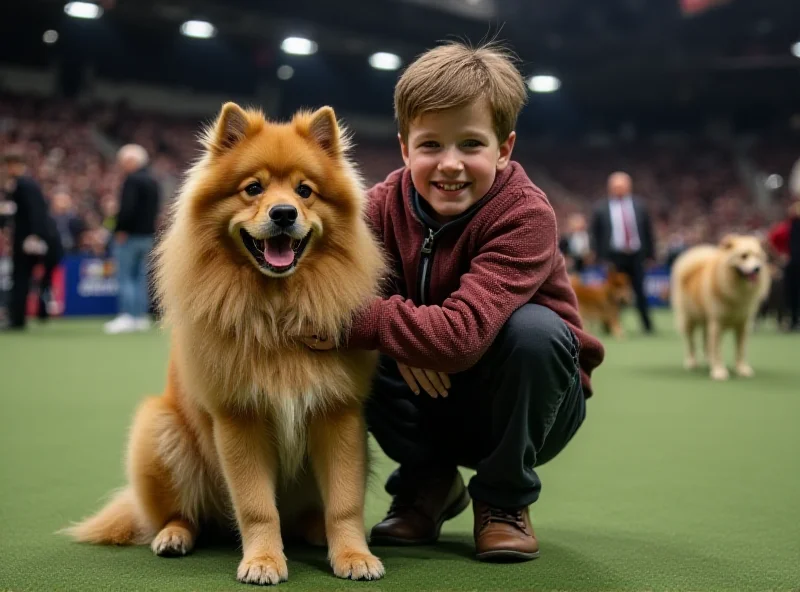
{"points": [[515, 260]]}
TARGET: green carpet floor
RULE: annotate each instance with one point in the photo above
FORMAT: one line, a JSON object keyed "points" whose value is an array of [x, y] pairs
{"points": [[673, 483]]}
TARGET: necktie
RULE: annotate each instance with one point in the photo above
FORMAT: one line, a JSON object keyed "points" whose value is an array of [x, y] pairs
{"points": [[626, 225]]}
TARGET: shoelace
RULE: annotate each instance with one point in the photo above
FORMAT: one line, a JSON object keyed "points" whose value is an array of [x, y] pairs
{"points": [[513, 517], [401, 504]]}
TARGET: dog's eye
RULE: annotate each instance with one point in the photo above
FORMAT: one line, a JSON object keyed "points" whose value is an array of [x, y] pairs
{"points": [[743, 256], [254, 189], [304, 191]]}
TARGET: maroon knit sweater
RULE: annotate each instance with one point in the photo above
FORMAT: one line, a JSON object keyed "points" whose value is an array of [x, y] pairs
{"points": [[456, 285]]}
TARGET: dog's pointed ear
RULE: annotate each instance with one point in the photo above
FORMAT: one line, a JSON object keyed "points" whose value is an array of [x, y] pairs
{"points": [[324, 130], [727, 242], [230, 128]]}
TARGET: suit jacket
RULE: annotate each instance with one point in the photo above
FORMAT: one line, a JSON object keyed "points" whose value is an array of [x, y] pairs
{"points": [[602, 230], [32, 216]]}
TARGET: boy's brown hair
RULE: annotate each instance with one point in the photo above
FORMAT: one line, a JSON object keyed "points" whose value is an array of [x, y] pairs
{"points": [[454, 75]]}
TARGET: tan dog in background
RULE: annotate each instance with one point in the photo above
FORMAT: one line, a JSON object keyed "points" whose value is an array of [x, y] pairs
{"points": [[601, 303], [716, 288], [268, 240]]}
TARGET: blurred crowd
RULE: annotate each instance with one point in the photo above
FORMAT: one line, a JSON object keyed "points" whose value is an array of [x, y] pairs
{"points": [[693, 191]]}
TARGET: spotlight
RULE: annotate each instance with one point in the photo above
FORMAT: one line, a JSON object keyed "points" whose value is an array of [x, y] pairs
{"points": [[544, 84], [384, 61], [198, 29], [299, 46], [84, 10]]}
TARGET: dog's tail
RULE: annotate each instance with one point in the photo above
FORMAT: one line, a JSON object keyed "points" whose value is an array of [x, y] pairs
{"points": [[116, 524]]}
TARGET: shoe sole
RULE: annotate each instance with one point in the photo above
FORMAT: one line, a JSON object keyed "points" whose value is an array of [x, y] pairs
{"points": [[451, 512], [504, 556]]}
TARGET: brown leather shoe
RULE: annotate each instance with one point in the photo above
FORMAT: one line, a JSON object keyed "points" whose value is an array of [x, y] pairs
{"points": [[416, 517], [504, 534]]}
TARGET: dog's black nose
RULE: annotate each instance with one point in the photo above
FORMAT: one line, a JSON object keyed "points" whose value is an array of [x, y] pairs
{"points": [[284, 216], [756, 269]]}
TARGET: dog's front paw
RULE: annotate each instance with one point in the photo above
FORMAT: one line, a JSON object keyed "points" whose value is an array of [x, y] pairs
{"points": [[745, 371], [173, 541], [354, 565], [690, 363], [263, 570], [719, 373]]}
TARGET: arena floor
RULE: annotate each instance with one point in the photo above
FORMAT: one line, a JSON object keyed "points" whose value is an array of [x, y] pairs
{"points": [[673, 483]]}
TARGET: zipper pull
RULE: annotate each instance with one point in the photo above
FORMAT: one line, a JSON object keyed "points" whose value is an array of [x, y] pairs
{"points": [[427, 246]]}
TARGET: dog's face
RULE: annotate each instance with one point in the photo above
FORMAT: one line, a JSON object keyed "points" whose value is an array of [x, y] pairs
{"points": [[619, 287], [745, 255], [276, 195]]}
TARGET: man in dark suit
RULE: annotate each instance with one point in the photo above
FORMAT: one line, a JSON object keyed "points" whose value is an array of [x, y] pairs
{"points": [[133, 239], [35, 235], [622, 235]]}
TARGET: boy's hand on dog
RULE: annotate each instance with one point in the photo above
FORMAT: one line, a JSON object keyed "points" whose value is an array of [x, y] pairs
{"points": [[318, 342], [434, 383]]}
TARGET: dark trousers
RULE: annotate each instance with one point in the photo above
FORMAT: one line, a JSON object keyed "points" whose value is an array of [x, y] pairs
{"points": [[632, 266], [21, 278], [50, 262], [791, 280], [516, 409]]}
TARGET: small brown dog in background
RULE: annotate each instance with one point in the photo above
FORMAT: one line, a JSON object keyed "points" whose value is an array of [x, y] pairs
{"points": [[601, 303]]}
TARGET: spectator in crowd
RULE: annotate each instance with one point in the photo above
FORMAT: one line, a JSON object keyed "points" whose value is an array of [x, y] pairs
{"points": [[68, 223], [792, 274], [133, 239], [576, 244], [623, 236]]}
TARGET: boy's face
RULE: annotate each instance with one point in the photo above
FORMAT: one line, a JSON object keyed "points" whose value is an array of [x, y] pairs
{"points": [[453, 157]]}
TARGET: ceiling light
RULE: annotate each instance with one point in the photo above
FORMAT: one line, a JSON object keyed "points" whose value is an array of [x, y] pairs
{"points": [[50, 36], [544, 84], [285, 72], [796, 49], [774, 182], [384, 61], [84, 10], [198, 29], [298, 46]]}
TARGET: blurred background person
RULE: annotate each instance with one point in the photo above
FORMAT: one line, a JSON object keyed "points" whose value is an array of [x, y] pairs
{"points": [[623, 237], [68, 223], [792, 272], [576, 244], [133, 238], [35, 235]]}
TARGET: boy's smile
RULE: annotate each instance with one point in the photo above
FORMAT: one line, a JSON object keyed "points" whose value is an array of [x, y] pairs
{"points": [[453, 156]]}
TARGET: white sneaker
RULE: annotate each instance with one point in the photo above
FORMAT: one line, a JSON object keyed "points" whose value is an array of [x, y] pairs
{"points": [[124, 323], [143, 323]]}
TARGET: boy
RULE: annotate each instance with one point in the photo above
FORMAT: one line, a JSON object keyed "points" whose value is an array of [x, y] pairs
{"points": [[482, 314]]}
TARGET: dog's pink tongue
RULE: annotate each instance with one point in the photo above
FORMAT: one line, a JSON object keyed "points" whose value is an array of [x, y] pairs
{"points": [[278, 251]]}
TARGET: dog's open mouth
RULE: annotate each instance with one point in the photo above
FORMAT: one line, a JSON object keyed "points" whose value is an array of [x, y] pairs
{"points": [[750, 276], [278, 253]]}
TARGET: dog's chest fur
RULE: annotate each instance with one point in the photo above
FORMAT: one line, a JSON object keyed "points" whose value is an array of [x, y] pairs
{"points": [[290, 420]]}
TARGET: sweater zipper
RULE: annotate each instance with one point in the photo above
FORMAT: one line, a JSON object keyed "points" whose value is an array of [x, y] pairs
{"points": [[426, 259]]}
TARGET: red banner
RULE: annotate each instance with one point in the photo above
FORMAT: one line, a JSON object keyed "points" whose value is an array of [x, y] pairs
{"points": [[692, 7]]}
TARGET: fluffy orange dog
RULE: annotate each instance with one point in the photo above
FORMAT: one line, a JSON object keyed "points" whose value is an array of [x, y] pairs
{"points": [[267, 241], [602, 302]]}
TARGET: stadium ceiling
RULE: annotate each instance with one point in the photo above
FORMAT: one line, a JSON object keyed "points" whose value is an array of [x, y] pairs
{"points": [[602, 50]]}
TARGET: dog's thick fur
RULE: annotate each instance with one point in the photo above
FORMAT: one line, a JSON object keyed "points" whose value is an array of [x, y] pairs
{"points": [[251, 419], [716, 288], [601, 303]]}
